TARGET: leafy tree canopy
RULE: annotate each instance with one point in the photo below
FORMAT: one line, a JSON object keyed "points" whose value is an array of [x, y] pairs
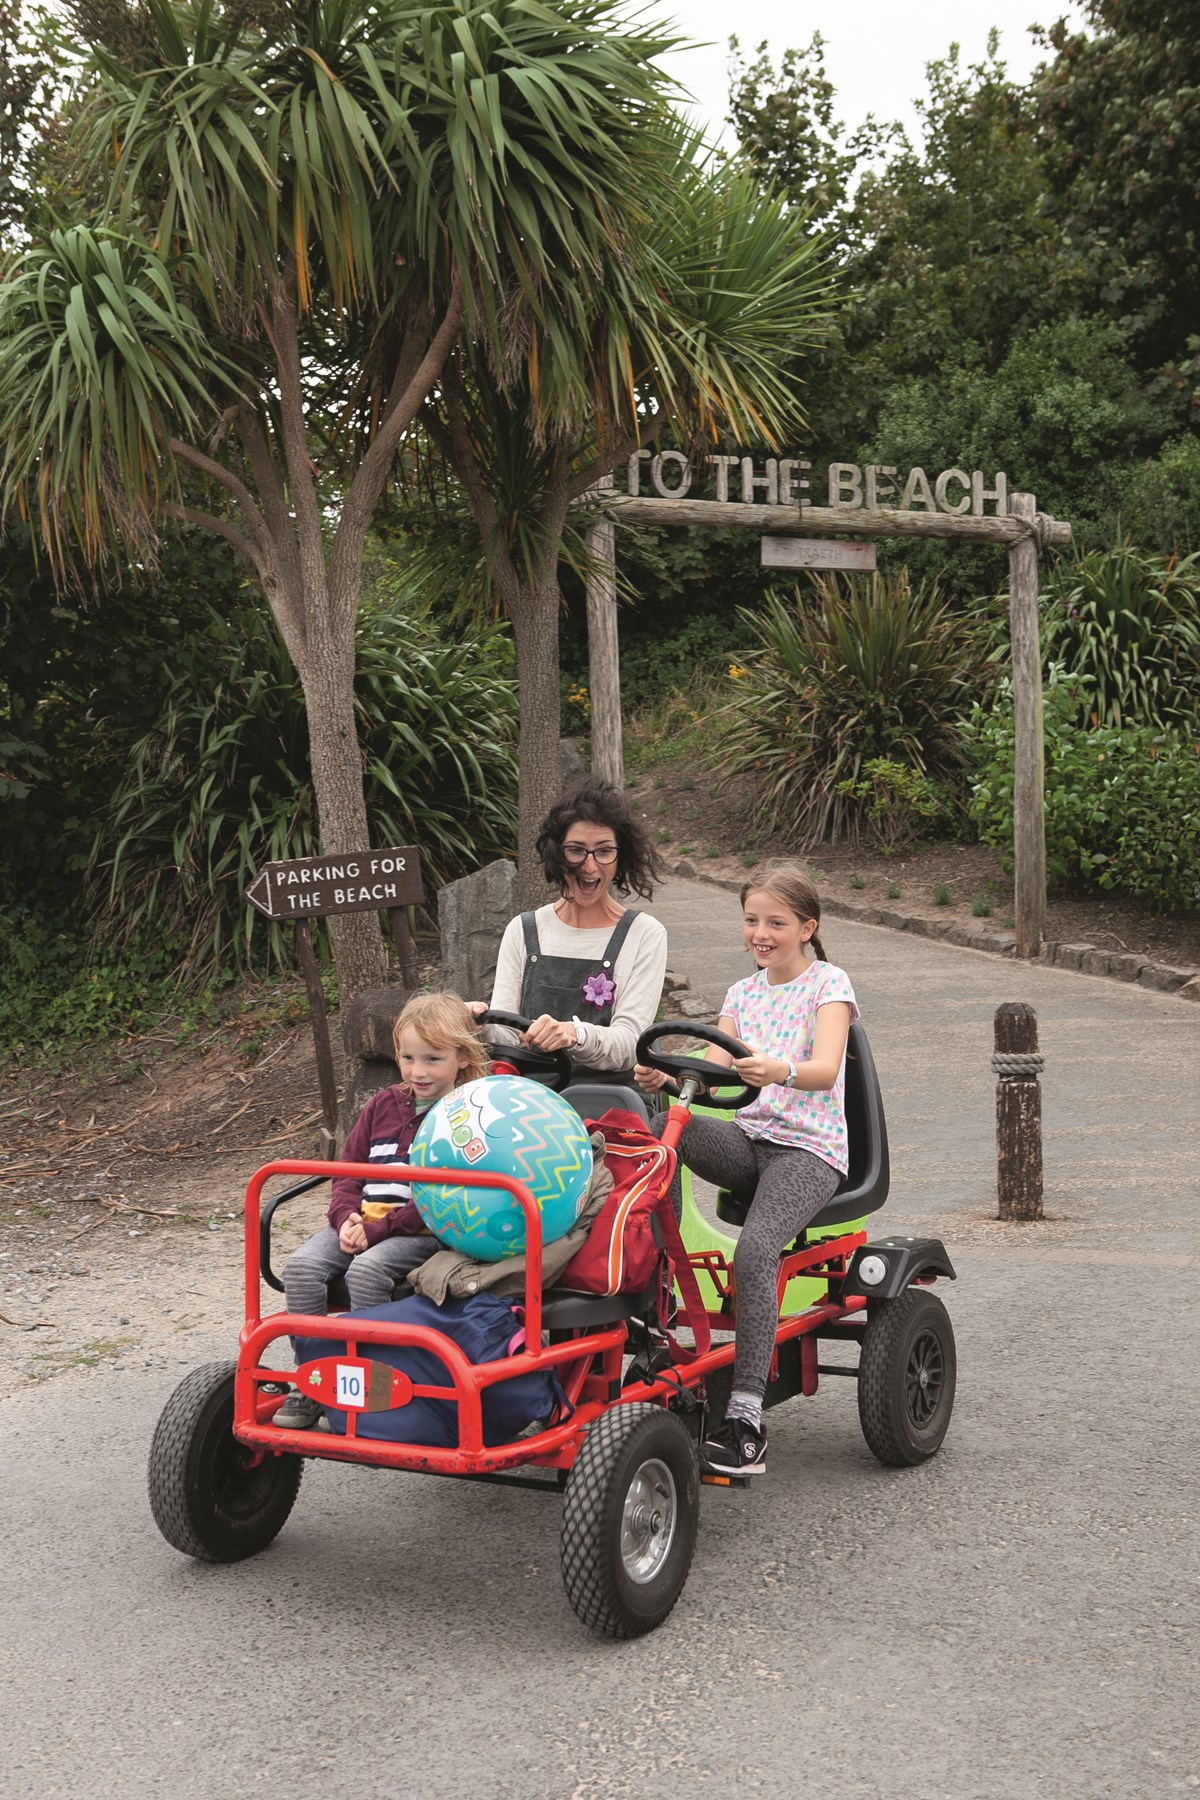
{"points": [[1119, 135]]}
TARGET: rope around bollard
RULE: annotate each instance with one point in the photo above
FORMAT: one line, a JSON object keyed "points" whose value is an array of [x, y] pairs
{"points": [[1016, 1068]]}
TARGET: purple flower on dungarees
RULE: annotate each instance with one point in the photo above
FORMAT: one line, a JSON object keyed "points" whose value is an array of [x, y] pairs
{"points": [[598, 990]]}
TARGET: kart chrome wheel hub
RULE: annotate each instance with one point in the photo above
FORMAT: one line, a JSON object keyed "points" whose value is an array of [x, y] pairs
{"points": [[648, 1521]]}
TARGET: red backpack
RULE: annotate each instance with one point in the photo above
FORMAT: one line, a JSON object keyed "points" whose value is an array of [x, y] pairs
{"points": [[622, 1251]]}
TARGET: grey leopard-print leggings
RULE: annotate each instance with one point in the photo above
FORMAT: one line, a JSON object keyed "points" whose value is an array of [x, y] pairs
{"points": [[790, 1187]]}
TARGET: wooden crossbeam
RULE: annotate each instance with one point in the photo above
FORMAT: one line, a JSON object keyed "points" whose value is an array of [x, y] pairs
{"points": [[850, 521]]}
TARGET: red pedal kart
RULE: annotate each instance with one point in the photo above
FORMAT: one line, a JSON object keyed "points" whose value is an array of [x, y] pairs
{"points": [[625, 1451]]}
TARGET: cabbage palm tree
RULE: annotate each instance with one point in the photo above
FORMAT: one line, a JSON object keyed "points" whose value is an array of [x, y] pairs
{"points": [[308, 207], [696, 326]]}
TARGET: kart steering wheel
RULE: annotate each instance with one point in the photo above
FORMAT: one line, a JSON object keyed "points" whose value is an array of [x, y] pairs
{"points": [[552, 1066], [710, 1075]]}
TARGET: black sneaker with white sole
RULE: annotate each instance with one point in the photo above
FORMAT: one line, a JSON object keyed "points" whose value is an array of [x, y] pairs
{"points": [[735, 1448]]}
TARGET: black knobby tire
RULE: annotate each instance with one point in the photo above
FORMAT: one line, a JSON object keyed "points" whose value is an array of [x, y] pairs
{"points": [[906, 1377], [209, 1496], [630, 1519]]}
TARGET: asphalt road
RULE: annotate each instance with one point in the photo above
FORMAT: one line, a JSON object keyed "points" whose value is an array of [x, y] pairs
{"points": [[1017, 1618]]}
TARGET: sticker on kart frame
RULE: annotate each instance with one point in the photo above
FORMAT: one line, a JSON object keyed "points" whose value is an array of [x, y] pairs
{"points": [[351, 1384]]}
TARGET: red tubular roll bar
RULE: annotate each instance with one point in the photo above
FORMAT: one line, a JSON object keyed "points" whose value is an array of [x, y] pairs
{"points": [[553, 1448]]}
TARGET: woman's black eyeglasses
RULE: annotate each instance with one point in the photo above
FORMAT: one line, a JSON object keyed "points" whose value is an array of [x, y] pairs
{"points": [[577, 854]]}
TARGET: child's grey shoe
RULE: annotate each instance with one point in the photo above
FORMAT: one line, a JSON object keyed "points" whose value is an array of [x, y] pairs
{"points": [[298, 1413]]}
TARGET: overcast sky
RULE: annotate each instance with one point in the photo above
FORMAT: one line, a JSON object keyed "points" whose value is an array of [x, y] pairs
{"points": [[875, 50]]}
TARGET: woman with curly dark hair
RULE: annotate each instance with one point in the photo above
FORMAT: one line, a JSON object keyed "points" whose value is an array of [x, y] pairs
{"points": [[586, 969]]}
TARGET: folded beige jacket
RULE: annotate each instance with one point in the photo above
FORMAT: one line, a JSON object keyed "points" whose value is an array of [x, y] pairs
{"points": [[448, 1273]]}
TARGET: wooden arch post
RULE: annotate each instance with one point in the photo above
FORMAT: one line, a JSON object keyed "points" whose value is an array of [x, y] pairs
{"points": [[1029, 821], [604, 656]]}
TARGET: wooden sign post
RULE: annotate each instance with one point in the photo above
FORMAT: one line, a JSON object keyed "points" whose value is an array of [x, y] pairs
{"points": [[313, 887], [604, 662]]}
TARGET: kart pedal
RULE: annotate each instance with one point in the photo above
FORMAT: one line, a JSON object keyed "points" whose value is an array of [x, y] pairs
{"points": [[708, 1479]]}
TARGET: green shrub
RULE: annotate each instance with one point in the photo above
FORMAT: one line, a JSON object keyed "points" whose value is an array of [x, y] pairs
{"points": [[1122, 805], [52, 994], [221, 784], [686, 725], [898, 803], [872, 669], [670, 660], [1128, 623], [575, 707]]}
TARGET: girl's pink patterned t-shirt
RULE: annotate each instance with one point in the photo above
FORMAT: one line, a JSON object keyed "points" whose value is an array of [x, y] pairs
{"points": [[780, 1020]]}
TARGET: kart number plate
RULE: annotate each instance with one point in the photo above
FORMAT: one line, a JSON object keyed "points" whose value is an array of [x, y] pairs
{"points": [[354, 1386], [352, 1380]]}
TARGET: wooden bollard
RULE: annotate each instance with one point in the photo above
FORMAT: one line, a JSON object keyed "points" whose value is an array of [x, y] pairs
{"points": [[1018, 1112]]}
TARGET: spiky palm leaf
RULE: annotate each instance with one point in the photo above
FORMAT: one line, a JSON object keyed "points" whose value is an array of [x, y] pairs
{"points": [[1129, 622], [99, 350], [696, 332], [221, 785], [368, 155]]}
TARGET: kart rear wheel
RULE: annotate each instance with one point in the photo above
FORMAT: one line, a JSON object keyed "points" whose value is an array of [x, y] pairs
{"points": [[211, 1497], [906, 1377], [630, 1520]]}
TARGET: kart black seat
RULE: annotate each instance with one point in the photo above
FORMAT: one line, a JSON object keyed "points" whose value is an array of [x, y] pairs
{"points": [[864, 1187], [563, 1310], [592, 1098]]}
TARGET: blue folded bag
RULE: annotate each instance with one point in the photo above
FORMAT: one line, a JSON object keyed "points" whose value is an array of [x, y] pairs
{"points": [[485, 1328]]}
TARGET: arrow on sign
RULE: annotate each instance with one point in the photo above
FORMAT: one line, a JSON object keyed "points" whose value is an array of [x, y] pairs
{"points": [[259, 891]]}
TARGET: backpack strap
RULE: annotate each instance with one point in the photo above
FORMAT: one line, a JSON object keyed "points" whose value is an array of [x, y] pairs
{"points": [[689, 1287], [626, 1134]]}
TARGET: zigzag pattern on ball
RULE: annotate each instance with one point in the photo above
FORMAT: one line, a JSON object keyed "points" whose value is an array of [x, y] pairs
{"points": [[447, 1206], [546, 1172]]}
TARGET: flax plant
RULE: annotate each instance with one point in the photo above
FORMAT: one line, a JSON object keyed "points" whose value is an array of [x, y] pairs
{"points": [[846, 671]]}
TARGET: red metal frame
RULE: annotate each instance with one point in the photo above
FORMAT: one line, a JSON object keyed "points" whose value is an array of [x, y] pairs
{"points": [[589, 1365]]}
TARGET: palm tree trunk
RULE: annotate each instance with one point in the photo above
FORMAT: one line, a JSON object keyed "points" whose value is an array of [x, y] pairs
{"points": [[327, 675], [533, 610]]}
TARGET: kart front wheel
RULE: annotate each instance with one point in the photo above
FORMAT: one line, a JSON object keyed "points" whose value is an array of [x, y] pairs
{"points": [[211, 1497], [906, 1377], [630, 1519]]}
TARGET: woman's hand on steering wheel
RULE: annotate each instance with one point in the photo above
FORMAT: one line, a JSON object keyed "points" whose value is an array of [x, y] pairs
{"points": [[549, 1034], [552, 1066]]}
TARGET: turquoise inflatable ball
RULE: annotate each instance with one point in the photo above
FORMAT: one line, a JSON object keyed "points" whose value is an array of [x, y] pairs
{"points": [[509, 1126]]}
